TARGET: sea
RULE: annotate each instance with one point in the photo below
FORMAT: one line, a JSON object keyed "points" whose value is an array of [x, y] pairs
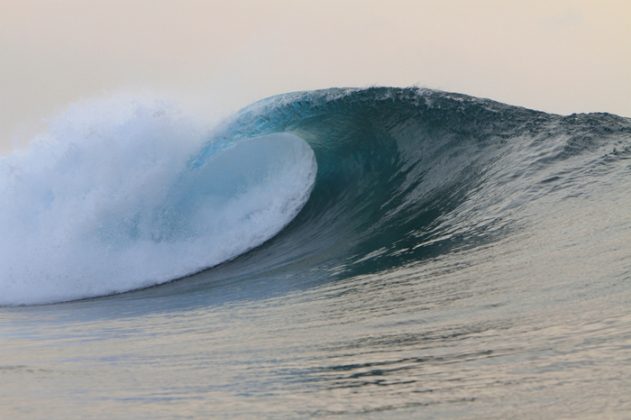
{"points": [[349, 252]]}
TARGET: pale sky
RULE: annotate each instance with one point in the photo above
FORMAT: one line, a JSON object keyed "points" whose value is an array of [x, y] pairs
{"points": [[554, 55]]}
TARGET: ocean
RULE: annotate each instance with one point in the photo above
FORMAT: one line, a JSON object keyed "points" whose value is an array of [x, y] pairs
{"points": [[377, 252]]}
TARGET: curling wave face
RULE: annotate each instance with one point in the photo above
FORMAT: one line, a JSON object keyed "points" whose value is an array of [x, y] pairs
{"points": [[410, 175]]}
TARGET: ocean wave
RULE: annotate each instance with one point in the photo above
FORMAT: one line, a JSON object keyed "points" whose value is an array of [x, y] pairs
{"points": [[332, 183]]}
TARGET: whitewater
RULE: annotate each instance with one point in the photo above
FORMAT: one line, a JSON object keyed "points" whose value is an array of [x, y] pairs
{"points": [[108, 201], [356, 252]]}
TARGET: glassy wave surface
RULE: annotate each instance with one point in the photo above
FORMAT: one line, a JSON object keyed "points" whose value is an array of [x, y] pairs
{"points": [[370, 250]]}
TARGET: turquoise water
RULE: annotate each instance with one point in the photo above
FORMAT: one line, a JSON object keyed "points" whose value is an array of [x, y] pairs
{"points": [[403, 252]]}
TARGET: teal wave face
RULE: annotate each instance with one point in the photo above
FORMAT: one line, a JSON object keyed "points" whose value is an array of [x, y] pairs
{"points": [[413, 174]]}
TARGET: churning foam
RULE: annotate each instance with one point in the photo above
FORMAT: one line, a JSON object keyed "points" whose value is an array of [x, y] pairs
{"points": [[108, 201]]}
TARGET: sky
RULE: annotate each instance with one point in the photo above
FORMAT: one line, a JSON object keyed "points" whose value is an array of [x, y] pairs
{"points": [[215, 56]]}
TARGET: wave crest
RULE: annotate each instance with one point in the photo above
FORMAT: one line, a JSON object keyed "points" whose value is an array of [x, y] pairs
{"points": [[108, 201]]}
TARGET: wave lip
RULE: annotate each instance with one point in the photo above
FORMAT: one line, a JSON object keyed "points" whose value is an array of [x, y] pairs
{"points": [[106, 205]]}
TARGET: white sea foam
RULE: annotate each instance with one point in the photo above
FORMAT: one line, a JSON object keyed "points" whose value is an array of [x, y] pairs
{"points": [[108, 201]]}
